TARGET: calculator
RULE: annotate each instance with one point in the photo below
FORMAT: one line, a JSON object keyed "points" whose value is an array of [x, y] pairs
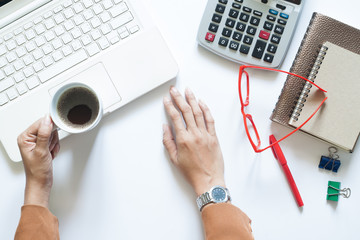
{"points": [[255, 32]]}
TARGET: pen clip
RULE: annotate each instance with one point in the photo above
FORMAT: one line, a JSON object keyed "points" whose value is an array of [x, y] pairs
{"points": [[272, 140]]}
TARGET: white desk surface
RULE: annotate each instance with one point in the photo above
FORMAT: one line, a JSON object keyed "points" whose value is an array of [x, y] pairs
{"points": [[116, 182]]}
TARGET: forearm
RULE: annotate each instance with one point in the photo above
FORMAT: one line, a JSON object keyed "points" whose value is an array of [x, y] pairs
{"points": [[37, 194], [37, 222], [223, 221]]}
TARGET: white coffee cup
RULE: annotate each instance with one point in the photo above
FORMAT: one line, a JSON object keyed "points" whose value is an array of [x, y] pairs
{"points": [[76, 108]]}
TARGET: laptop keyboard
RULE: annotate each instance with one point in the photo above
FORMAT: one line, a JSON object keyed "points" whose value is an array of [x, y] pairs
{"points": [[48, 45]]}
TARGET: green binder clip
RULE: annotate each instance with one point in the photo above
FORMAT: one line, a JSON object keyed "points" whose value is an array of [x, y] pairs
{"points": [[334, 191]]}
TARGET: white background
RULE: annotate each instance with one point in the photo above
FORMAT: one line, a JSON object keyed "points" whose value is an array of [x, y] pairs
{"points": [[116, 182]]}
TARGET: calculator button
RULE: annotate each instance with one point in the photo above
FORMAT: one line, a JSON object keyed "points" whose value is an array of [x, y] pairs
{"points": [[223, 1], [282, 7], [236, 5], [255, 21], [220, 8], [283, 15], [216, 18], [259, 49], [226, 32], [278, 29], [246, 9], [274, 12], [237, 36], [234, 45], [275, 39], [239, 1], [210, 37], [251, 30], [257, 13], [248, 40], [244, 49], [271, 18], [268, 26], [240, 26], [271, 48], [230, 23], [268, 58], [233, 13], [244, 17], [213, 27], [282, 22], [264, 35], [223, 41]]}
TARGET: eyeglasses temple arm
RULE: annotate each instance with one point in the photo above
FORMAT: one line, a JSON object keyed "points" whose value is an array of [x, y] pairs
{"points": [[278, 70], [297, 127]]}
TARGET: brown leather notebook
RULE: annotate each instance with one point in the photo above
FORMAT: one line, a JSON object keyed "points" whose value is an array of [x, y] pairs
{"points": [[338, 122], [320, 30]]}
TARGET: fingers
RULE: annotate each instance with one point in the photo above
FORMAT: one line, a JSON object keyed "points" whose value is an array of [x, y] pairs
{"points": [[184, 108], [174, 115], [56, 150], [44, 133], [210, 123], [29, 134], [169, 143], [54, 140], [54, 147], [198, 114]]}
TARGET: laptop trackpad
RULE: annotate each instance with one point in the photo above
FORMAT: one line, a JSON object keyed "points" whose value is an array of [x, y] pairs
{"points": [[97, 78]]}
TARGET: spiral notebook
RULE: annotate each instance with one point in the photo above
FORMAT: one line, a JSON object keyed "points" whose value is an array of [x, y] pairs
{"points": [[321, 28], [338, 121]]}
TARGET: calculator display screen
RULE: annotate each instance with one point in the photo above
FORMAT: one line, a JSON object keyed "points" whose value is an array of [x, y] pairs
{"points": [[294, 1]]}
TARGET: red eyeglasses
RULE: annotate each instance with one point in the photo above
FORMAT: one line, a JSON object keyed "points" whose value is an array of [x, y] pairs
{"points": [[248, 120]]}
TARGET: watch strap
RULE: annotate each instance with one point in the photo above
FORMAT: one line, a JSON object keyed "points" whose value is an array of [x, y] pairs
{"points": [[206, 198], [203, 200]]}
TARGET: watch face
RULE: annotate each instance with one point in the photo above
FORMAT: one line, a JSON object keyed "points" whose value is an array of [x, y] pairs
{"points": [[218, 194]]}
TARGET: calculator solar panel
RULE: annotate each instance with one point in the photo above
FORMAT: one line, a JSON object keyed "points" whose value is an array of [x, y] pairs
{"points": [[256, 32]]}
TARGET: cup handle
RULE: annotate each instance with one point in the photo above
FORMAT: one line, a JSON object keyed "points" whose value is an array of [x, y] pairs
{"points": [[55, 128]]}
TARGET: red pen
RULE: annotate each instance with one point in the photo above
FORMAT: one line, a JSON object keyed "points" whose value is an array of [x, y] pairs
{"points": [[281, 158]]}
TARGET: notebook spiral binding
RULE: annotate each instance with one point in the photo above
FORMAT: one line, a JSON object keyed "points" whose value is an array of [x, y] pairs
{"points": [[306, 90]]}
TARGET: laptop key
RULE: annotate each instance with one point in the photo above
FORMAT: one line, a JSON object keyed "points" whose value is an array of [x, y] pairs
{"points": [[63, 65], [5, 84], [3, 99], [121, 20], [20, 52], [93, 49], [12, 93], [119, 9], [32, 82], [21, 88]]}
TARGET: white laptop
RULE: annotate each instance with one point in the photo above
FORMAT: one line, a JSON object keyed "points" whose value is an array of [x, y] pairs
{"points": [[111, 45]]}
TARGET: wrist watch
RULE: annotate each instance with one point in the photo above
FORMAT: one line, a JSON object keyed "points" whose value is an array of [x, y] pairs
{"points": [[217, 194]]}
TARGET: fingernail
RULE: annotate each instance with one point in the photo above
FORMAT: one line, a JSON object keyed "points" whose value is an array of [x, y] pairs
{"points": [[201, 102], [173, 90], [188, 91], [166, 99]]}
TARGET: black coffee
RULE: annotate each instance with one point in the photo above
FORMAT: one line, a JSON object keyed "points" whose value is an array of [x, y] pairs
{"points": [[78, 107], [79, 114]]}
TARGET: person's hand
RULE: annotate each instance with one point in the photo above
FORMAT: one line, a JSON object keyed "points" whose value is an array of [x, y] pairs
{"points": [[195, 151], [38, 146]]}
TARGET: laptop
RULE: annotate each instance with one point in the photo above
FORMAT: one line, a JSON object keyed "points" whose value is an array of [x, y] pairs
{"points": [[111, 45]]}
